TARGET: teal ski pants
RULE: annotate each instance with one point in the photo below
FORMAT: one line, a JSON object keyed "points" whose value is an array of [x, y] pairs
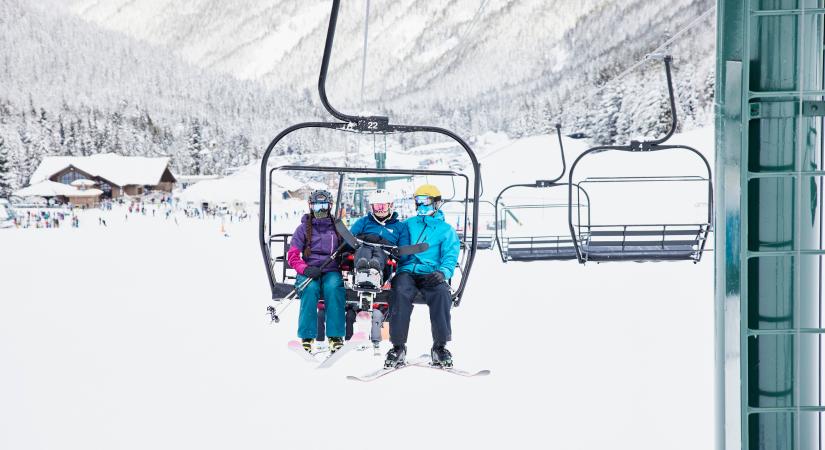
{"points": [[330, 287]]}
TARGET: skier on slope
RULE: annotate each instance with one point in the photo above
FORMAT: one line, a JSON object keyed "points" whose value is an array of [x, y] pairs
{"points": [[426, 272], [313, 243], [380, 226]]}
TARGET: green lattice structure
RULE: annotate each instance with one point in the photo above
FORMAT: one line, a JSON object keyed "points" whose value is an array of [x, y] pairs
{"points": [[769, 224]]}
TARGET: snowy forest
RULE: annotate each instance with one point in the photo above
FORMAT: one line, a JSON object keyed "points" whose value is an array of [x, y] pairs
{"points": [[209, 84]]}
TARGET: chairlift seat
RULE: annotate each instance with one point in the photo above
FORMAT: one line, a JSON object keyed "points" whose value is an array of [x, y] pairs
{"points": [[484, 242], [628, 243], [547, 248]]}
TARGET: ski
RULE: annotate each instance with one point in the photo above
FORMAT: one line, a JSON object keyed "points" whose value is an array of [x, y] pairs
{"points": [[453, 370], [296, 347], [357, 339], [353, 242], [411, 249], [372, 376]]}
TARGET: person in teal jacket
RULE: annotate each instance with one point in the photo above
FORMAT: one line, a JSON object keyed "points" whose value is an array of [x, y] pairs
{"points": [[427, 273]]}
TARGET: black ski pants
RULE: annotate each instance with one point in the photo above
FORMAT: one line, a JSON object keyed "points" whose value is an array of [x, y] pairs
{"points": [[349, 320], [405, 286], [369, 252]]}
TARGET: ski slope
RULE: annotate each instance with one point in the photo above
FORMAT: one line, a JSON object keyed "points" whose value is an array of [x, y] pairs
{"points": [[151, 334]]}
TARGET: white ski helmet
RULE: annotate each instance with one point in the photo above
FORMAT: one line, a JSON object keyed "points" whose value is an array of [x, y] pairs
{"points": [[384, 198], [380, 196]]}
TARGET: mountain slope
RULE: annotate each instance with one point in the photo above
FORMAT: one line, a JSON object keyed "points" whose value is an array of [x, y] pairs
{"points": [[509, 63], [72, 88]]}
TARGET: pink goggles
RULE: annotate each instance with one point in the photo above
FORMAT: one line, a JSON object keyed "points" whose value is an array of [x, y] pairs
{"points": [[381, 208]]}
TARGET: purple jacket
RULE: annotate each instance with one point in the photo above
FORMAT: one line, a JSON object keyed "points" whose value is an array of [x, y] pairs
{"points": [[324, 243]]}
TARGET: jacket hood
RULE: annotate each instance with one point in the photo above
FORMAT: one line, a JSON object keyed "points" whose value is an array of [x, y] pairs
{"points": [[437, 216]]}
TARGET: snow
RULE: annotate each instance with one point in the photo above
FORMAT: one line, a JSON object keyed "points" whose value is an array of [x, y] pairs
{"points": [[242, 186], [121, 170], [48, 188], [168, 346]]}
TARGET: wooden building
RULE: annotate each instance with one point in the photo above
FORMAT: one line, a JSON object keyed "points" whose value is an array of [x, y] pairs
{"points": [[113, 174]]}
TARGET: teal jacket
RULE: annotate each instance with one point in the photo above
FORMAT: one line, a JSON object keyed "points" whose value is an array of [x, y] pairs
{"points": [[444, 245]]}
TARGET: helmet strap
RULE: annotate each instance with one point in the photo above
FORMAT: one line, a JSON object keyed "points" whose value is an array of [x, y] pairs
{"points": [[379, 220]]}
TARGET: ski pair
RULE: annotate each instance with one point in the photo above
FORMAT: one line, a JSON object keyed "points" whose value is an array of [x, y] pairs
{"points": [[395, 251], [358, 339], [422, 361]]}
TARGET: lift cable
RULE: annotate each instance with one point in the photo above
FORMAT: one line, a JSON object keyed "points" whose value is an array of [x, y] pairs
{"points": [[656, 52]]}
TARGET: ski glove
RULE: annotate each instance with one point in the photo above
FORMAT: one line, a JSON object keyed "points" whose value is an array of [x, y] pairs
{"points": [[312, 272], [371, 238], [432, 279]]}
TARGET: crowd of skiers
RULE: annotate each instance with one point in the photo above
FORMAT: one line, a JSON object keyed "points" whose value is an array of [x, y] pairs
{"points": [[313, 255]]}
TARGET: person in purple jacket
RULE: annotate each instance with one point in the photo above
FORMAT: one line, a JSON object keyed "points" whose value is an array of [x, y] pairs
{"points": [[313, 242]]}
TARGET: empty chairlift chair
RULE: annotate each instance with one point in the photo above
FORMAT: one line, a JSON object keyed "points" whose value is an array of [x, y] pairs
{"points": [[549, 240], [658, 237]]}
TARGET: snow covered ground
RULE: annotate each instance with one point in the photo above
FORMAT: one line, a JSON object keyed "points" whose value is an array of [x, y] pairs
{"points": [[151, 334]]}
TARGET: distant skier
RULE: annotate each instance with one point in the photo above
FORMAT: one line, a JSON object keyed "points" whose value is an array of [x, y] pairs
{"points": [[426, 272], [313, 242]]}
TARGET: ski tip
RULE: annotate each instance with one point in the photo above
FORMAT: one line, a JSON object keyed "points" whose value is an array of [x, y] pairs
{"points": [[483, 373], [359, 336]]}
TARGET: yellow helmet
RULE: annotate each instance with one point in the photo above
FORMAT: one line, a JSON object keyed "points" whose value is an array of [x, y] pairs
{"points": [[428, 190]]}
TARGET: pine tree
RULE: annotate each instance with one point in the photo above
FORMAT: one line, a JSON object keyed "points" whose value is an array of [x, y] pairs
{"points": [[7, 175], [195, 148], [605, 130]]}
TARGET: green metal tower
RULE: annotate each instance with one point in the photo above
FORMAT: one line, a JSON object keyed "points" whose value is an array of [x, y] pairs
{"points": [[769, 249]]}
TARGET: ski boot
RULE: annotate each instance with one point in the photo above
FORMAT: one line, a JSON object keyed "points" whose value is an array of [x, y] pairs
{"points": [[375, 263], [362, 264], [395, 357], [306, 343], [335, 344], [441, 356], [376, 348]]}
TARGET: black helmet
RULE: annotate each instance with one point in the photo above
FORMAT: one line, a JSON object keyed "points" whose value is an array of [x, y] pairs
{"points": [[320, 203], [320, 196]]}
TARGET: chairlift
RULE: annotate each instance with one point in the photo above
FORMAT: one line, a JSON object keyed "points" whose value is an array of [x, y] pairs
{"points": [[660, 239], [274, 244], [550, 245]]}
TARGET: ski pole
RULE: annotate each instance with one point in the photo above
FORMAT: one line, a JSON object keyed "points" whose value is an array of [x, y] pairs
{"points": [[274, 312]]}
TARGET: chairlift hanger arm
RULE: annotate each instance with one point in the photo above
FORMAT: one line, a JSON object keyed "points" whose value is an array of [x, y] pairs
{"points": [[548, 183], [647, 145]]}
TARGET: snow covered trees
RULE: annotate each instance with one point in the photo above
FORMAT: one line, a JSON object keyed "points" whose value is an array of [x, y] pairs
{"points": [[7, 176], [195, 148]]}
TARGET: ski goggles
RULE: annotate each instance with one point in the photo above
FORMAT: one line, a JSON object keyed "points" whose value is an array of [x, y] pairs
{"points": [[423, 200], [381, 208], [320, 206]]}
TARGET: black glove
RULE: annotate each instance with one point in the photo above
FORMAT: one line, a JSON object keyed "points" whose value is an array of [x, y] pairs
{"points": [[371, 238], [432, 279], [312, 272]]}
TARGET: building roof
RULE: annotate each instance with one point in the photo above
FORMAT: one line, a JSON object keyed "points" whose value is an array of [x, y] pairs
{"points": [[120, 170], [47, 188]]}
